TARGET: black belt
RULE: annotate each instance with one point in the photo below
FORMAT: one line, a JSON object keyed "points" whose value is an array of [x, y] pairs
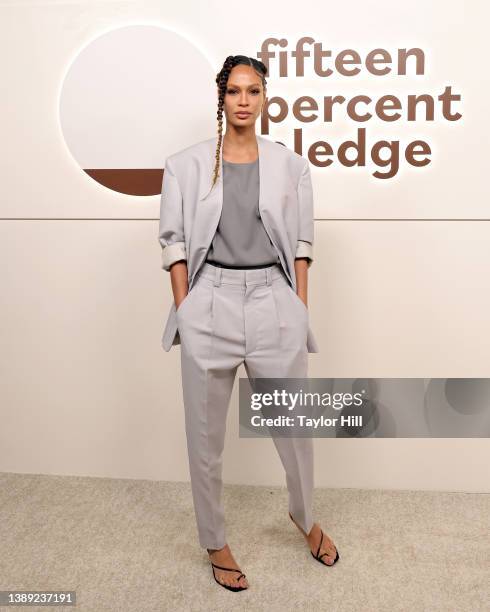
{"points": [[220, 265]]}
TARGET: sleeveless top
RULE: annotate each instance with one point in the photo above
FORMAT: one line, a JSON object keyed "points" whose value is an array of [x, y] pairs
{"points": [[241, 239]]}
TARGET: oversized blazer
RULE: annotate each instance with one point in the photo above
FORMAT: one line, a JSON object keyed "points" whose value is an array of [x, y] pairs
{"points": [[190, 210]]}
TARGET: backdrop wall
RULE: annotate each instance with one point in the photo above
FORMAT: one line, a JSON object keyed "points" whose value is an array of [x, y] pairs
{"points": [[400, 284]]}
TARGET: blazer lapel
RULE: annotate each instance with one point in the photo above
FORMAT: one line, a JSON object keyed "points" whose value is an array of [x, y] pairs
{"points": [[208, 210], [268, 197]]}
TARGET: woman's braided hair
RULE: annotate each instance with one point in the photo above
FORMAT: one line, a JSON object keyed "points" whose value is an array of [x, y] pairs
{"points": [[222, 81]]}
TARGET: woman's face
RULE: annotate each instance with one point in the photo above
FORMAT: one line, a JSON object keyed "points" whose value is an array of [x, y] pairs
{"points": [[244, 96]]}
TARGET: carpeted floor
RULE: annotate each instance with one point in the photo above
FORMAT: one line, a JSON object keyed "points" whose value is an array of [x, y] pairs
{"points": [[131, 545]]}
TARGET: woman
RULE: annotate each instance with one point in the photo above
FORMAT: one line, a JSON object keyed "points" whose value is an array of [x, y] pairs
{"points": [[236, 228]]}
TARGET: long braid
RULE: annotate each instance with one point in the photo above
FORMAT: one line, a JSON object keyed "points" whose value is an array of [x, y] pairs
{"points": [[222, 81]]}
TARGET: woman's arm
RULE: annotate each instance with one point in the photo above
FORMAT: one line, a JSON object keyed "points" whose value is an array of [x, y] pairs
{"points": [[304, 249], [301, 270], [171, 228], [171, 234], [180, 284]]}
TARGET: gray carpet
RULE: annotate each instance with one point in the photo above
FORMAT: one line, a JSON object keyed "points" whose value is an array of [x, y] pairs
{"points": [[131, 545]]}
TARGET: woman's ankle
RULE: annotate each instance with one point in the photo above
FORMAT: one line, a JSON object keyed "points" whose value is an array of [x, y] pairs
{"points": [[213, 550]]}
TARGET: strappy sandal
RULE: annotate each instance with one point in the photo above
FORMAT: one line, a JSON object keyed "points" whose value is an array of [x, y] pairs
{"points": [[317, 556], [229, 569]]}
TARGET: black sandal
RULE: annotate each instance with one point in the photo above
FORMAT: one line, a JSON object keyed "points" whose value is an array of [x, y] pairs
{"points": [[317, 556], [229, 569]]}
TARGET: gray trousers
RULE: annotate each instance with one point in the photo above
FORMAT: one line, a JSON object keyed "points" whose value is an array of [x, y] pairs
{"points": [[231, 317]]}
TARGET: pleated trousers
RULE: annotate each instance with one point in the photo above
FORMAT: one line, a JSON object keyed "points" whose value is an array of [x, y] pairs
{"points": [[229, 317]]}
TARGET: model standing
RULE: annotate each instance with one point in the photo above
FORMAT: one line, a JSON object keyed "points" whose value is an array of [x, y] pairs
{"points": [[236, 228]]}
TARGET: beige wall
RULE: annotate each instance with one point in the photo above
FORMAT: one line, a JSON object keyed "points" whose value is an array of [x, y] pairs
{"points": [[87, 389]]}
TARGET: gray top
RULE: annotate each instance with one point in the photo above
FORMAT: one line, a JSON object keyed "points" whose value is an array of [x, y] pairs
{"points": [[240, 238]]}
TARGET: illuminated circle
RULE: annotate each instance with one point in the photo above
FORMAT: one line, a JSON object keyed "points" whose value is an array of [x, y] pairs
{"points": [[132, 97]]}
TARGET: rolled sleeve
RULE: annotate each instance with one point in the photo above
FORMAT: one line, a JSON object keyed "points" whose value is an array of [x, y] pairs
{"points": [[306, 220], [304, 250], [171, 229], [172, 254]]}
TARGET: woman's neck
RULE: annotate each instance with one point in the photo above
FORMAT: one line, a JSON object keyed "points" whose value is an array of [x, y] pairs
{"points": [[240, 147]]}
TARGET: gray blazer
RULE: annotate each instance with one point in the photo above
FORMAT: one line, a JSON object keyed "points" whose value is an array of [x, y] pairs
{"points": [[190, 210]]}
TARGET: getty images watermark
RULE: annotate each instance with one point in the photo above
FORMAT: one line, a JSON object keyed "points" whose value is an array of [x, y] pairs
{"points": [[365, 407]]}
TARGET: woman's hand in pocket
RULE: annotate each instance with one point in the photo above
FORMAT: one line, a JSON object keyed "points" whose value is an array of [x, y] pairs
{"points": [[303, 300], [177, 306], [180, 285]]}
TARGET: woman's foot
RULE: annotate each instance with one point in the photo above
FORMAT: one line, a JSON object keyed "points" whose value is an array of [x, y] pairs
{"points": [[328, 547], [224, 558], [327, 552]]}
